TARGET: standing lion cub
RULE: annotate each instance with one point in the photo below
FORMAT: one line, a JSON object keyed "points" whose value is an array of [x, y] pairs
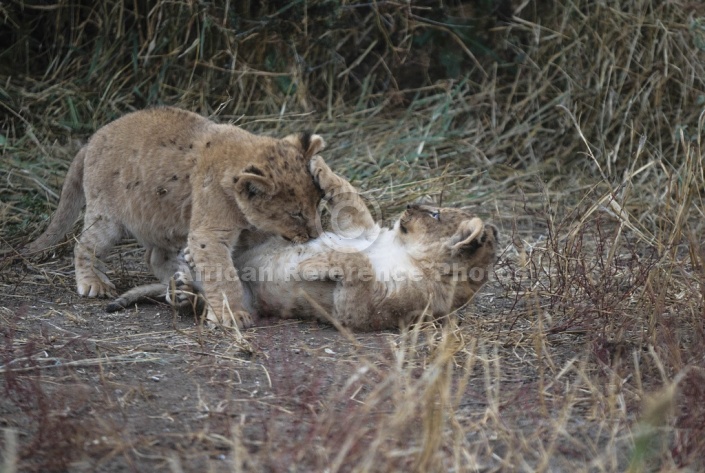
{"points": [[168, 178]]}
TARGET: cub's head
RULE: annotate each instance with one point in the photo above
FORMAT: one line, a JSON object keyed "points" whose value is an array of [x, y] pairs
{"points": [[459, 245], [276, 192], [426, 224]]}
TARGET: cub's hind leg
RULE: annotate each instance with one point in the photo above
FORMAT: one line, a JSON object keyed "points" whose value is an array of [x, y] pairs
{"points": [[99, 235], [357, 293]]}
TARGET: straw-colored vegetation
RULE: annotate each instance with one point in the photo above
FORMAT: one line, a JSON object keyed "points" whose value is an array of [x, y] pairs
{"points": [[576, 127]]}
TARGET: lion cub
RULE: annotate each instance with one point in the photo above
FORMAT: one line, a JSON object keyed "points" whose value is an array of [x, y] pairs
{"points": [[168, 178], [433, 260]]}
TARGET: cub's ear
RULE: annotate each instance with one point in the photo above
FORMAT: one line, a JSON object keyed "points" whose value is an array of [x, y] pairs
{"points": [[467, 237], [309, 143], [252, 182]]}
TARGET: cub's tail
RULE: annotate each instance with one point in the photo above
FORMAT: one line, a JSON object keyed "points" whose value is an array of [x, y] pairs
{"points": [[70, 204]]}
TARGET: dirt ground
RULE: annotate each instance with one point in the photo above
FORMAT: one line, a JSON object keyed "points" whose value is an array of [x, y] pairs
{"points": [[147, 389], [138, 389]]}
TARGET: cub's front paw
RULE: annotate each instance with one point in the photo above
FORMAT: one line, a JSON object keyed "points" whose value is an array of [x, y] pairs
{"points": [[180, 292], [95, 286], [226, 318], [323, 176], [184, 258]]}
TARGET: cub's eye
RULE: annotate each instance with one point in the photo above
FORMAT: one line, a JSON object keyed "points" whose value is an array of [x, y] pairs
{"points": [[297, 215], [435, 214]]}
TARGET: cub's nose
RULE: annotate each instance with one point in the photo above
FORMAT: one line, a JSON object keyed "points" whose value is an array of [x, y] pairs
{"points": [[313, 231]]}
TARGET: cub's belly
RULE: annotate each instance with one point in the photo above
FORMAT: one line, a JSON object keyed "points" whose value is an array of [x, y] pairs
{"points": [[163, 224], [275, 286], [146, 190], [284, 299]]}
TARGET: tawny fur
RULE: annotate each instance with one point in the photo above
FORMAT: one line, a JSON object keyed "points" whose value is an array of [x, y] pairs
{"points": [[168, 178], [362, 276], [432, 261]]}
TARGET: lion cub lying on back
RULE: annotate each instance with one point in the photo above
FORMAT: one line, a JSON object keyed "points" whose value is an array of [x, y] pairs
{"points": [[168, 177], [365, 277]]}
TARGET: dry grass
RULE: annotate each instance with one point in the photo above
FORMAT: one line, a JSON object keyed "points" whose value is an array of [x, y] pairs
{"points": [[576, 127]]}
